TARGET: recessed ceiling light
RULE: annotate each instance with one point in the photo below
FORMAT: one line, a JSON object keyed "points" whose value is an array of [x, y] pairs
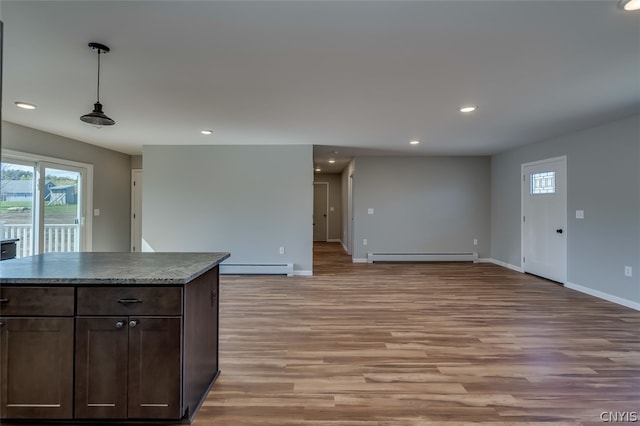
{"points": [[206, 132], [414, 142], [24, 105], [332, 161], [629, 4], [468, 108]]}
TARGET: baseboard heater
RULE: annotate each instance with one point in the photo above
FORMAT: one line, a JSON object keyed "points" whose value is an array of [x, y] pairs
{"points": [[422, 257], [256, 269]]}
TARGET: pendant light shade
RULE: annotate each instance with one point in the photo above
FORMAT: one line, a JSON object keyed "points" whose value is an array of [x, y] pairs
{"points": [[97, 117], [629, 4]]}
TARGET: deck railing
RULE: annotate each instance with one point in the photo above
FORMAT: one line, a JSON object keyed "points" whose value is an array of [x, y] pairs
{"points": [[57, 238]]}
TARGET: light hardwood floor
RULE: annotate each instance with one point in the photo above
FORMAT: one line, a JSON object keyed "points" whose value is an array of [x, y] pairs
{"points": [[419, 344]]}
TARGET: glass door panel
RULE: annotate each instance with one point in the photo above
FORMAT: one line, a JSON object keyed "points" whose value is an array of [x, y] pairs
{"points": [[17, 205], [62, 221]]}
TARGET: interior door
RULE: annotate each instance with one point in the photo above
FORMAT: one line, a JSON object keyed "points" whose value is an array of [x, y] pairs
{"points": [[136, 210], [544, 219], [320, 208]]}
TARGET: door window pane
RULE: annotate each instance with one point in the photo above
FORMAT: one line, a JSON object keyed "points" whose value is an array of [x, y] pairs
{"points": [[61, 210], [543, 183], [17, 202]]}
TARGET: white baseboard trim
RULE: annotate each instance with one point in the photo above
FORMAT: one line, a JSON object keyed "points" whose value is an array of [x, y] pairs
{"points": [[602, 295], [345, 248], [357, 260], [421, 257], [504, 264], [302, 273], [256, 269], [334, 240]]}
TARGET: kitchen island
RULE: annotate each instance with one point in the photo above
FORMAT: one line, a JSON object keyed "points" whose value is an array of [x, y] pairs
{"points": [[123, 337]]}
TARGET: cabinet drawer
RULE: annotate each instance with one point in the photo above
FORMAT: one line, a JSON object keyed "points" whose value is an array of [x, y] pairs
{"points": [[36, 301], [129, 301]]}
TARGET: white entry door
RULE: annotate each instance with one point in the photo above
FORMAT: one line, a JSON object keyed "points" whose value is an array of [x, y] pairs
{"points": [[544, 218]]}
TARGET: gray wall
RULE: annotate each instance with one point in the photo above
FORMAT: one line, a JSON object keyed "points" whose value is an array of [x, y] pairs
{"points": [[421, 205], [136, 162], [246, 200], [111, 179], [603, 179], [335, 201]]}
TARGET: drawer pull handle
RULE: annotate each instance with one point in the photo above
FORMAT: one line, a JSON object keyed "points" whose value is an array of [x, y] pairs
{"points": [[4, 300], [120, 324], [129, 301], [133, 323]]}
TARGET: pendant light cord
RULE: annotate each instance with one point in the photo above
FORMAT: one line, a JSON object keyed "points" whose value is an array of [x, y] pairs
{"points": [[98, 94]]}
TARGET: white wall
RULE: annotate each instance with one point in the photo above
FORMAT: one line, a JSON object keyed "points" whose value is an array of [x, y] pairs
{"points": [[246, 200], [603, 179], [421, 205]]}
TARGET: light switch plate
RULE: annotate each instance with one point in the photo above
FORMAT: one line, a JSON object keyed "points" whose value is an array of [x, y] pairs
{"points": [[579, 214], [370, 210]]}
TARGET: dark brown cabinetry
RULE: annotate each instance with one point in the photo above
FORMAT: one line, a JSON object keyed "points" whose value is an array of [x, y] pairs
{"points": [[108, 349], [128, 363], [128, 367], [36, 352]]}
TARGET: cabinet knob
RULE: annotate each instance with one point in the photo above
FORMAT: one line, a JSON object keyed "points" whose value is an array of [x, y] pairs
{"points": [[1, 323], [3, 300], [133, 323], [119, 324]]}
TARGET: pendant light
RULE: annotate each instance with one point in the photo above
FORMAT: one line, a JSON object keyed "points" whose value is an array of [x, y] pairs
{"points": [[97, 117], [629, 4]]}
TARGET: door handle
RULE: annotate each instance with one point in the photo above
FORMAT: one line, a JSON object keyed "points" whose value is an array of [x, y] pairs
{"points": [[559, 231]]}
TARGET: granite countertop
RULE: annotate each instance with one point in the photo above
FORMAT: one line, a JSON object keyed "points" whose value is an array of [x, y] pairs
{"points": [[108, 268]]}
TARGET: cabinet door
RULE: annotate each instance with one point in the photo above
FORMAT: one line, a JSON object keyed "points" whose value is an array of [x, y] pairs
{"points": [[36, 366], [101, 368], [154, 368]]}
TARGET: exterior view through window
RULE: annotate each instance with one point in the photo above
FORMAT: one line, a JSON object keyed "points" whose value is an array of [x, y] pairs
{"points": [[40, 204]]}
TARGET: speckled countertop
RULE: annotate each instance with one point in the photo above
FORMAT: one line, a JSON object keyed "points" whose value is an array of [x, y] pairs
{"points": [[108, 268]]}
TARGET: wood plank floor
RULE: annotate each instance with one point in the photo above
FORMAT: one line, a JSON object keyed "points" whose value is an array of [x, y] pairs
{"points": [[419, 344]]}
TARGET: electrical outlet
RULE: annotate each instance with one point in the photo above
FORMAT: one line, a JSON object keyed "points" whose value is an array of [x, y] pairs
{"points": [[475, 241], [628, 271], [370, 210], [281, 250], [364, 242]]}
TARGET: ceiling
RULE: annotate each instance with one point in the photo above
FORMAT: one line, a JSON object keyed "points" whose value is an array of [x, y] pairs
{"points": [[348, 77]]}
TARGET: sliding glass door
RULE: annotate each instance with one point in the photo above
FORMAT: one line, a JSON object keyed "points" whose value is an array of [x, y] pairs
{"points": [[17, 204], [61, 212], [43, 204]]}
